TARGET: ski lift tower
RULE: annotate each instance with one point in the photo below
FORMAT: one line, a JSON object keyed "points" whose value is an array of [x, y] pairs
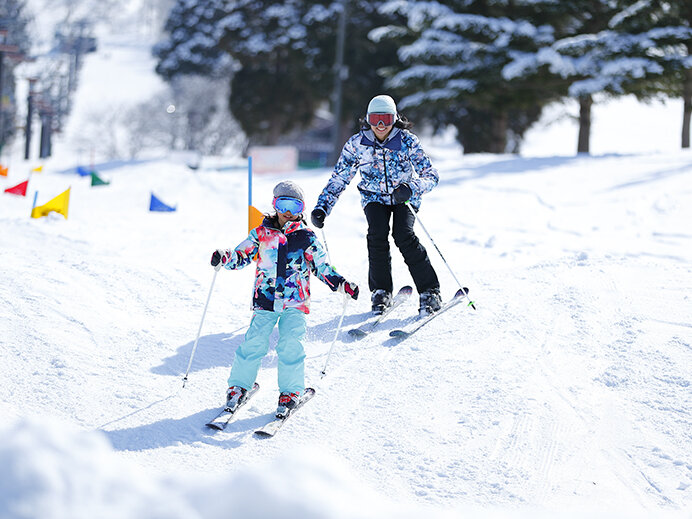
{"points": [[5, 48]]}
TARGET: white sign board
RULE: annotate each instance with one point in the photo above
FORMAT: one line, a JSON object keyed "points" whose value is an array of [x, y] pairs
{"points": [[273, 159]]}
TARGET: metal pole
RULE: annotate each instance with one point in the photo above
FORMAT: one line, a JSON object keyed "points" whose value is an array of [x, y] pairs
{"points": [[417, 218], [29, 116], [199, 331], [49, 144], [249, 181], [326, 247], [339, 76], [43, 146], [336, 335], [2, 106], [10, 49]]}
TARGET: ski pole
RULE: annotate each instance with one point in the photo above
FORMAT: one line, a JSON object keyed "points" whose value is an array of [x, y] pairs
{"points": [[326, 247], [336, 335], [417, 218], [194, 347]]}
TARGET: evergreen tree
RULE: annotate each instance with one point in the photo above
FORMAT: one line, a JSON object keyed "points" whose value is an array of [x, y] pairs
{"points": [[661, 32], [455, 53], [616, 48], [279, 83], [192, 43], [283, 57], [558, 64], [365, 58]]}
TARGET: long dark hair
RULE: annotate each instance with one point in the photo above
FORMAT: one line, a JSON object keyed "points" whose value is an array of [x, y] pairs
{"points": [[401, 122]]}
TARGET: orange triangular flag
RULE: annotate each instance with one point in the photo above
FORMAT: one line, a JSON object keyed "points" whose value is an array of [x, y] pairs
{"points": [[255, 217], [3, 171], [59, 204], [19, 189]]}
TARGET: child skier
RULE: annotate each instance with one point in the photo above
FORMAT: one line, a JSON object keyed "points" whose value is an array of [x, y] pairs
{"points": [[286, 250]]}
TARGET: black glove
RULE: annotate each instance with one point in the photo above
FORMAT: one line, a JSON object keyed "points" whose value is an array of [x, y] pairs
{"points": [[401, 194], [349, 288], [317, 217], [219, 256]]}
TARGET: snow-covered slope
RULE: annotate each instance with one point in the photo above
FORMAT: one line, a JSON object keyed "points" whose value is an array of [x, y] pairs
{"points": [[567, 390]]}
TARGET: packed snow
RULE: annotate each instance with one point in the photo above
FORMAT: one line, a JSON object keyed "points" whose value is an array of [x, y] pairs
{"points": [[567, 391]]}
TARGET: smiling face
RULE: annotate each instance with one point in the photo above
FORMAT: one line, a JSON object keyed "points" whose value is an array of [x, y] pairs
{"points": [[381, 131], [288, 216]]}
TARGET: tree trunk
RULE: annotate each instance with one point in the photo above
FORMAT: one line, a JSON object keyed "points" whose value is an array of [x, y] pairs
{"points": [[687, 108], [499, 133], [271, 136], [585, 103]]}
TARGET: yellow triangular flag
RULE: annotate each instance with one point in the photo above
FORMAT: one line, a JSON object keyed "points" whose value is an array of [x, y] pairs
{"points": [[255, 217], [37, 169], [59, 204]]}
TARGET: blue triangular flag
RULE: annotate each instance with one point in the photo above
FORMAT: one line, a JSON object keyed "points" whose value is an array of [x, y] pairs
{"points": [[158, 205], [83, 172]]}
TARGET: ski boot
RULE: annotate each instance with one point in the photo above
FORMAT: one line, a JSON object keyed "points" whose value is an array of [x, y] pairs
{"points": [[430, 302], [287, 402], [380, 299], [234, 397]]}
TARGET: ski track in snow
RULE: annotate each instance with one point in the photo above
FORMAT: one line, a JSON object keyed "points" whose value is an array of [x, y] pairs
{"points": [[570, 383]]}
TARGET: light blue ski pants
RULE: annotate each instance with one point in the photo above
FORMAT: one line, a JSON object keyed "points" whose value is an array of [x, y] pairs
{"points": [[249, 355]]}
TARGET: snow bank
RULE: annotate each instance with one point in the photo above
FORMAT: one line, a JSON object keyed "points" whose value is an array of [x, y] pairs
{"points": [[58, 471], [54, 470]]}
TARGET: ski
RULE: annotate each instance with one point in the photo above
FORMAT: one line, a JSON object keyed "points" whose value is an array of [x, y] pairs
{"points": [[367, 327], [221, 420], [273, 427], [417, 325]]}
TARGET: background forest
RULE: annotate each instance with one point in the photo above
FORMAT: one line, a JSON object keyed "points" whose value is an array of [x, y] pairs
{"points": [[288, 70]]}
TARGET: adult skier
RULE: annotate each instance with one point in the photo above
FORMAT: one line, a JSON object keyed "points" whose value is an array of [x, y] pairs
{"points": [[395, 172]]}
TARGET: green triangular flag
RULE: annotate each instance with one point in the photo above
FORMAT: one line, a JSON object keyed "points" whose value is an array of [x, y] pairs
{"points": [[97, 181]]}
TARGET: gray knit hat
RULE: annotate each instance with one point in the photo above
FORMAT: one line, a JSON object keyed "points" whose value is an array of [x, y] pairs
{"points": [[290, 189]]}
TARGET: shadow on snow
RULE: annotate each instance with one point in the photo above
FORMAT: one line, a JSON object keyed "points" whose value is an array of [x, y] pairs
{"points": [[212, 351], [218, 350], [186, 430]]}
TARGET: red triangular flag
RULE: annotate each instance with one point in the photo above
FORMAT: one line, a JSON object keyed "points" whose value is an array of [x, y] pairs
{"points": [[19, 189]]}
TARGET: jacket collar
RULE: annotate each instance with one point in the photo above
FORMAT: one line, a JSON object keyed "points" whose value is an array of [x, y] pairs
{"points": [[392, 142], [272, 222], [290, 227]]}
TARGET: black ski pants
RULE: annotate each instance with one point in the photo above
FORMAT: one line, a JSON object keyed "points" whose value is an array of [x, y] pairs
{"points": [[379, 259]]}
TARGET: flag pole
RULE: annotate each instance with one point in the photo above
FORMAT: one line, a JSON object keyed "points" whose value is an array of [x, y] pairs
{"points": [[249, 181], [249, 193]]}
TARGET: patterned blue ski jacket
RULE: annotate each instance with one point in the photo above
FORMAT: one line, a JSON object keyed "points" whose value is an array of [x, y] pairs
{"points": [[285, 257], [383, 166]]}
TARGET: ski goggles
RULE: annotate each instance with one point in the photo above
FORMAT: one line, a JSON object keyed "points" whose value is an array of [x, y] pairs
{"points": [[287, 204], [376, 119]]}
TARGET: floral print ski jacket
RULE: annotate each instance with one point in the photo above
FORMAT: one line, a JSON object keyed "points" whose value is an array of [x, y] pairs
{"points": [[383, 166], [285, 257]]}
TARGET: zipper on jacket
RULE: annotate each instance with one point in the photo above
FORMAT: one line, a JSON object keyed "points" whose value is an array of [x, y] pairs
{"points": [[384, 167]]}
